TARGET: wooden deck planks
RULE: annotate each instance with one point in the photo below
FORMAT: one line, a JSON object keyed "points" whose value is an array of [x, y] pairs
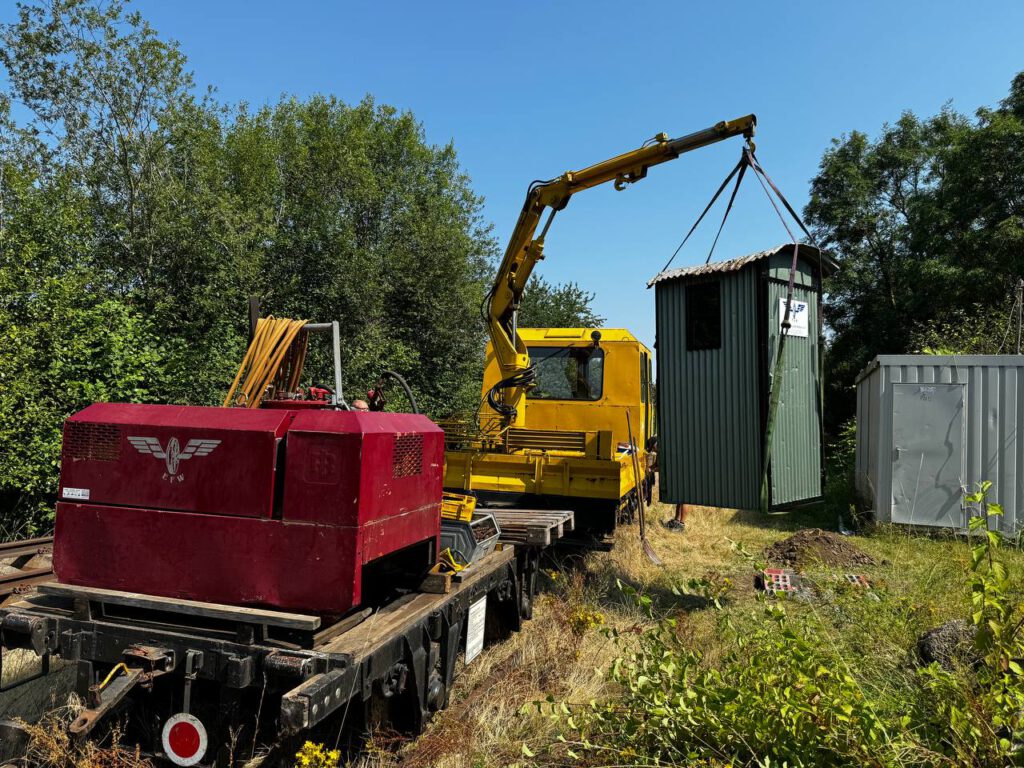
{"points": [[391, 621], [539, 527]]}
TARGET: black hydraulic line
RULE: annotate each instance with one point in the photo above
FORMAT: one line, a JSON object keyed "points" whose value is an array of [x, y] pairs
{"points": [[520, 379], [405, 386]]}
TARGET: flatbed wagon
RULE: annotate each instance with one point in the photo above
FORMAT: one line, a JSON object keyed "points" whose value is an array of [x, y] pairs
{"points": [[234, 580], [267, 677]]}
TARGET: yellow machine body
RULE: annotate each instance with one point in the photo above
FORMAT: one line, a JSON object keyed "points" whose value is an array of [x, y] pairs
{"points": [[574, 452], [528, 440]]}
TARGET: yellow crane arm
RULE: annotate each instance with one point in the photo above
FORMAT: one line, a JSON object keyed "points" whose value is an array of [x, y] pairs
{"points": [[525, 250]]}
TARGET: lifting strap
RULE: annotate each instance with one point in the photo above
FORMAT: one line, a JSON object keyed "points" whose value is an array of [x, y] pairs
{"points": [[749, 160], [740, 169], [778, 367]]}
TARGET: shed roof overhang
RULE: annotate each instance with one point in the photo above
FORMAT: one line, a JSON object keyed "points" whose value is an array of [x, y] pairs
{"points": [[822, 259]]}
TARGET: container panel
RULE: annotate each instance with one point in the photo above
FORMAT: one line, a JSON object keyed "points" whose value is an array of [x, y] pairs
{"points": [[993, 425]]}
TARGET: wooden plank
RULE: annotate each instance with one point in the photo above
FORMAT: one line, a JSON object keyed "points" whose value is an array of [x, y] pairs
{"points": [[187, 607], [533, 526], [437, 583], [532, 518], [531, 515], [392, 620], [340, 627], [539, 537]]}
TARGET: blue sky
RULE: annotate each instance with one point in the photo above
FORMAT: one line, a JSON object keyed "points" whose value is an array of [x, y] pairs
{"points": [[528, 90]]}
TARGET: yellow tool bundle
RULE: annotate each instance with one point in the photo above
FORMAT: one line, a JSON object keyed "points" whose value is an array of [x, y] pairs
{"points": [[273, 362]]}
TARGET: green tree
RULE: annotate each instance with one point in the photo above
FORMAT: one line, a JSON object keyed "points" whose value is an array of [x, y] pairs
{"points": [[65, 344], [565, 305], [136, 219], [112, 106], [365, 223], [927, 221]]}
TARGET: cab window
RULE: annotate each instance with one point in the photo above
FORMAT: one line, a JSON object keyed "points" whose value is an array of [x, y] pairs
{"points": [[567, 373]]}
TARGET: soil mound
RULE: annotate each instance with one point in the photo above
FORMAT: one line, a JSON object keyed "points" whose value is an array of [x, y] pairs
{"points": [[813, 545]]}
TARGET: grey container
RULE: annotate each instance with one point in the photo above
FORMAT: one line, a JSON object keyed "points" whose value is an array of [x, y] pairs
{"points": [[713, 399], [471, 541], [930, 427]]}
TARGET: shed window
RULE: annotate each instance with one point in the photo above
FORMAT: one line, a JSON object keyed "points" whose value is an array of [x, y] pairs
{"points": [[704, 316]]}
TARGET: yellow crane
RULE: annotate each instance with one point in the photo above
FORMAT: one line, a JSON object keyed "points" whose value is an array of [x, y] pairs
{"points": [[552, 425]]}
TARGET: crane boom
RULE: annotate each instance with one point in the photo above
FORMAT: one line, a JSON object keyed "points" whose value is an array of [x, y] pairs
{"points": [[525, 250]]}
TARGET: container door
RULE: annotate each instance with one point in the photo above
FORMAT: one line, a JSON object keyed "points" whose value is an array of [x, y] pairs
{"points": [[928, 454]]}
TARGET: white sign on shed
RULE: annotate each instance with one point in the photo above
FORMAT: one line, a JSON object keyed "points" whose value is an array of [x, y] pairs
{"points": [[797, 317]]}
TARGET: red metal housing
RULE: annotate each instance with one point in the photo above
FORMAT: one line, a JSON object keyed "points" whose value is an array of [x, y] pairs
{"points": [[276, 508]]}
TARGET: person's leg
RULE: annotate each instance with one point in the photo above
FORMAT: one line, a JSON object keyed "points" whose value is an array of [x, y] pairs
{"points": [[678, 523]]}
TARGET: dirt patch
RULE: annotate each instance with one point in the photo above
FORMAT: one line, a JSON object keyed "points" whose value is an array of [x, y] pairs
{"points": [[815, 546]]}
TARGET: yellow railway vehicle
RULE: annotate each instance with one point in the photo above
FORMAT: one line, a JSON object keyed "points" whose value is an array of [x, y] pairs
{"points": [[552, 428], [574, 453]]}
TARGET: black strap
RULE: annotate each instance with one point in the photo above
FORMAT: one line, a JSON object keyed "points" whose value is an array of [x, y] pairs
{"points": [[796, 217], [739, 166], [728, 208]]}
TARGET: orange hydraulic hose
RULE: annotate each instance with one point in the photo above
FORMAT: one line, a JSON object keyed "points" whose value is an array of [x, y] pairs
{"points": [[264, 361]]}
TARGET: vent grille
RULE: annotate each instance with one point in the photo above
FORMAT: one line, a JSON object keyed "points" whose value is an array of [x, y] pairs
{"points": [[93, 442], [408, 456], [546, 440]]}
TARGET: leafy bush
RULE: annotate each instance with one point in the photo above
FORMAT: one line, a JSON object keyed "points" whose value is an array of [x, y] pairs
{"points": [[66, 340], [839, 481], [989, 721], [777, 697]]}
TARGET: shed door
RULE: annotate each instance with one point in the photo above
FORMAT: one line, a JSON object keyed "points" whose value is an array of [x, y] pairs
{"points": [[927, 454]]}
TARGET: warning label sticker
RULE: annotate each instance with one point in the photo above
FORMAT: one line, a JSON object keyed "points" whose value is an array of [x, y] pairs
{"points": [[81, 494], [475, 628]]}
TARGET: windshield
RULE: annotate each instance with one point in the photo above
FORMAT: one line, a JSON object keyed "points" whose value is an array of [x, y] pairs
{"points": [[567, 373]]}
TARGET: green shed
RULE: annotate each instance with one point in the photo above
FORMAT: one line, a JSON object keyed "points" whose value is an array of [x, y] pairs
{"points": [[718, 330]]}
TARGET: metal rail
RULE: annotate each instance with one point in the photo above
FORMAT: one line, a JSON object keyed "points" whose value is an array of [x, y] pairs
{"points": [[13, 549], [23, 579]]}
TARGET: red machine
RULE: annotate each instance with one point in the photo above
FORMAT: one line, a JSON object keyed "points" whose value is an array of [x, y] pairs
{"points": [[290, 508]]}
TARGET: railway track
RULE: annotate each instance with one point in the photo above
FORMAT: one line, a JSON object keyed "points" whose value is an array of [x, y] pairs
{"points": [[16, 555]]}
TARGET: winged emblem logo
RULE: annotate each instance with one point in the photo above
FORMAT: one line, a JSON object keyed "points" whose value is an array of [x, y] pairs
{"points": [[173, 454]]}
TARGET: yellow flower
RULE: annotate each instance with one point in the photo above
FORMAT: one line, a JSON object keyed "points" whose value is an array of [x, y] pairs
{"points": [[316, 756]]}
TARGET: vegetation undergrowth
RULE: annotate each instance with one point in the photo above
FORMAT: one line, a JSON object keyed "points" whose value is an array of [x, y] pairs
{"points": [[52, 746], [811, 684]]}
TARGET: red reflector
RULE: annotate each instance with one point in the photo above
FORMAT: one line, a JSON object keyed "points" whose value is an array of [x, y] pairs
{"points": [[184, 739]]}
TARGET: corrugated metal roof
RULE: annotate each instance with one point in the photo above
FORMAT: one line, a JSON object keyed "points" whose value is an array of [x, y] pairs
{"points": [[990, 361], [827, 264]]}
